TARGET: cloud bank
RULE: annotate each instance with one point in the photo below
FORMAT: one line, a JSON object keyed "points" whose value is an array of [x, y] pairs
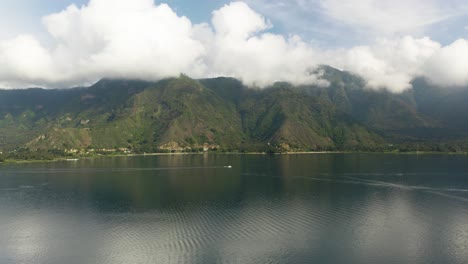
{"points": [[144, 40]]}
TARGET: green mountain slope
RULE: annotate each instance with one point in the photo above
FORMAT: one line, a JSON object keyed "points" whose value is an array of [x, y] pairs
{"points": [[182, 114]]}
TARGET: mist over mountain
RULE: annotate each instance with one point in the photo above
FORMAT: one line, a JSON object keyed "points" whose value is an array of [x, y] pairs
{"points": [[184, 114], [145, 39]]}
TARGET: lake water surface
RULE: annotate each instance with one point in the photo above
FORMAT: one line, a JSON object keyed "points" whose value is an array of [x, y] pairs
{"points": [[317, 208]]}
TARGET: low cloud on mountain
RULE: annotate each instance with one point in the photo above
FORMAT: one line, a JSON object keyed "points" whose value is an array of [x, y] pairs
{"points": [[144, 40]]}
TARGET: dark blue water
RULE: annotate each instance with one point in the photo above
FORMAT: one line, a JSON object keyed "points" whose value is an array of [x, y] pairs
{"points": [[321, 208]]}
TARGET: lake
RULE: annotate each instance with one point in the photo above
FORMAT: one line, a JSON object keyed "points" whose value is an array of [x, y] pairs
{"points": [[311, 208]]}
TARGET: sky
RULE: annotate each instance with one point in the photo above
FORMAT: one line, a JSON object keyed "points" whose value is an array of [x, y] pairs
{"points": [[63, 43]]}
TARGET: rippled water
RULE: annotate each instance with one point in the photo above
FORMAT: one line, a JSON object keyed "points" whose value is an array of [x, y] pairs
{"points": [[325, 208]]}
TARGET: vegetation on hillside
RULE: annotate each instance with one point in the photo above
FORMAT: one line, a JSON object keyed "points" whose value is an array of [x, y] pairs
{"points": [[221, 114]]}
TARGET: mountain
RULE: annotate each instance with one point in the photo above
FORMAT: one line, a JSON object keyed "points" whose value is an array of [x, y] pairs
{"points": [[183, 114]]}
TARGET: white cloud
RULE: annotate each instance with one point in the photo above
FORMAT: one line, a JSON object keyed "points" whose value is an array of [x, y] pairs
{"points": [[134, 39], [139, 39], [449, 65], [24, 61], [391, 16], [106, 38], [238, 20], [258, 59], [390, 64]]}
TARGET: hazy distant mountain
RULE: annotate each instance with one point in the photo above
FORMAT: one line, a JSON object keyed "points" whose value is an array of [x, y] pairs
{"points": [[221, 113]]}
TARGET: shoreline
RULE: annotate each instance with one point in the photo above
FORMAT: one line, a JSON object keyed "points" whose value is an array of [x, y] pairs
{"points": [[74, 159]]}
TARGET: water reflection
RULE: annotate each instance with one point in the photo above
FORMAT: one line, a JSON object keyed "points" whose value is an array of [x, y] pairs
{"points": [[265, 209]]}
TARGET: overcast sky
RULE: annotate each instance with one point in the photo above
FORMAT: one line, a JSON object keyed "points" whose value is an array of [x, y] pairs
{"points": [[57, 43]]}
